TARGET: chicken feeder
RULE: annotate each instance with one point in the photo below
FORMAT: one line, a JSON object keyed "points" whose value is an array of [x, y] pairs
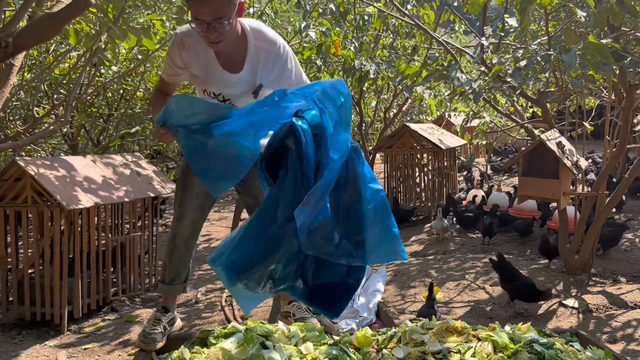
{"points": [[498, 197], [477, 191], [574, 217], [525, 210]]}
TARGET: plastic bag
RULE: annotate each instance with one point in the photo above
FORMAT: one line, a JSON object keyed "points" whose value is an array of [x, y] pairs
{"points": [[325, 216]]}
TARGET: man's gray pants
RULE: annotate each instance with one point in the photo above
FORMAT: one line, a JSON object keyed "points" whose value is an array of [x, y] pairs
{"points": [[192, 206]]}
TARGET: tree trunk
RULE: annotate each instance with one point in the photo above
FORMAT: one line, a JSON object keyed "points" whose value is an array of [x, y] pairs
{"points": [[578, 255], [9, 77], [372, 159]]}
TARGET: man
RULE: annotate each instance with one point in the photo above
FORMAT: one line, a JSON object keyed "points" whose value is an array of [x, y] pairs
{"points": [[229, 59]]}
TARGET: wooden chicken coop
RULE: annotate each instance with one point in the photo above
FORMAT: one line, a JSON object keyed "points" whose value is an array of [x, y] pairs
{"points": [[420, 165], [547, 167], [457, 125], [76, 232]]}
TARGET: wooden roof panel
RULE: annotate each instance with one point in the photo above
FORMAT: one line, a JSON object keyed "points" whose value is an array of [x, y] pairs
{"points": [[428, 133], [437, 135], [561, 147], [564, 151], [79, 182], [456, 120]]}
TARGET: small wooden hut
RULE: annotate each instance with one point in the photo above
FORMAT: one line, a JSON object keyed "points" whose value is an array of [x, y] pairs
{"points": [[457, 125], [420, 165], [76, 231], [547, 167]]}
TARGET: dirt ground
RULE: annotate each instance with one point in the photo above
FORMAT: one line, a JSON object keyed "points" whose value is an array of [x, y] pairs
{"points": [[459, 265]]}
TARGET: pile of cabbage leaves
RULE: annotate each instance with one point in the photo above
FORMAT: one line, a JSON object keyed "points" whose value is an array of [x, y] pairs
{"points": [[423, 340]]}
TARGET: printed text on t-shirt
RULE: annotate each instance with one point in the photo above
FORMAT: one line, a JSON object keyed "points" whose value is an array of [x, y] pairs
{"points": [[219, 97]]}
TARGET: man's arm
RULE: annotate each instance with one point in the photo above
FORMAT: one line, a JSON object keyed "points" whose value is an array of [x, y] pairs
{"points": [[174, 72], [159, 99]]}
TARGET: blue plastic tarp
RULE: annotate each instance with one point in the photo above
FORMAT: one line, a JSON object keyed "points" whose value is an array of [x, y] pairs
{"points": [[325, 216]]}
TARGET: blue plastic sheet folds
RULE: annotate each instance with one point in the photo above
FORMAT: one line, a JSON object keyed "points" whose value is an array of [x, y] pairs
{"points": [[325, 216]]}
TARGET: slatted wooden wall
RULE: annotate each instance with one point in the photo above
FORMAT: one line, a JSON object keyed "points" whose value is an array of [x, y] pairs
{"points": [[419, 177], [102, 251]]}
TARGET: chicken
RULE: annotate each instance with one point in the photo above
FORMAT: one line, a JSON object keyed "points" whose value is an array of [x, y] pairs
{"points": [[469, 179], [462, 195], [401, 214], [548, 248], [546, 213], [524, 227], [429, 310], [611, 186], [440, 225], [590, 179], [621, 204], [490, 224], [446, 206], [468, 217], [514, 196], [489, 191], [611, 234], [517, 285], [506, 220]]}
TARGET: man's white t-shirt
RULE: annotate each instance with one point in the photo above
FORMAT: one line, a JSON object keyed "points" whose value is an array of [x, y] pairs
{"points": [[270, 63]]}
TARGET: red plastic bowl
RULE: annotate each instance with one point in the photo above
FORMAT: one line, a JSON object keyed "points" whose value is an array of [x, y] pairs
{"points": [[524, 215], [554, 227]]}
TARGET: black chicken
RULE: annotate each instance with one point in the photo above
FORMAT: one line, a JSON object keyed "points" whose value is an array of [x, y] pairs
{"points": [[611, 186], [524, 227], [634, 188], [468, 217], [548, 248], [490, 224], [489, 191], [608, 222], [446, 206], [517, 285], [611, 235], [429, 310], [469, 179], [546, 213], [506, 220], [401, 214], [514, 196], [621, 204]]}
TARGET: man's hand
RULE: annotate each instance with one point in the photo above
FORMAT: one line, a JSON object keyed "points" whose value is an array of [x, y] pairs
{"points": [[164, 136]]}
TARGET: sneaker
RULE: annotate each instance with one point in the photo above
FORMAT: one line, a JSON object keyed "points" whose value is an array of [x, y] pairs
{"points": [[295, 312], [157, 329]]}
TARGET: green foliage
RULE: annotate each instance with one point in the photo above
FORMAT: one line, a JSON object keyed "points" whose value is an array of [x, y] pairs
{"points": [[537, 56], [495, 61], [99, 76]]}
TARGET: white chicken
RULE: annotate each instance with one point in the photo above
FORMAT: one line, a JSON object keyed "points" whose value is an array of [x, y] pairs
{"points": [[440, 225]]}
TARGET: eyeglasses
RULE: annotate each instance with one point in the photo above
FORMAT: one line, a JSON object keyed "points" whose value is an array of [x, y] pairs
{"points": [[218, 26]]}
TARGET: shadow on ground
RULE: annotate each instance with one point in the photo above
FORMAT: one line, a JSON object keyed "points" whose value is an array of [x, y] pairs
{"points": [[459, 265]]}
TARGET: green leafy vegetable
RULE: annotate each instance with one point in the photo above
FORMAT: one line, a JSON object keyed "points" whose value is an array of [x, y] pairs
{"points": [[430, 340]]}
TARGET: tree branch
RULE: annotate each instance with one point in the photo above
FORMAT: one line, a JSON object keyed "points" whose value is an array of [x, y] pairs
{"points": [[388, 122], [527, 128], [55, 128], [43, 29], [446, 45], [12, 25]]}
